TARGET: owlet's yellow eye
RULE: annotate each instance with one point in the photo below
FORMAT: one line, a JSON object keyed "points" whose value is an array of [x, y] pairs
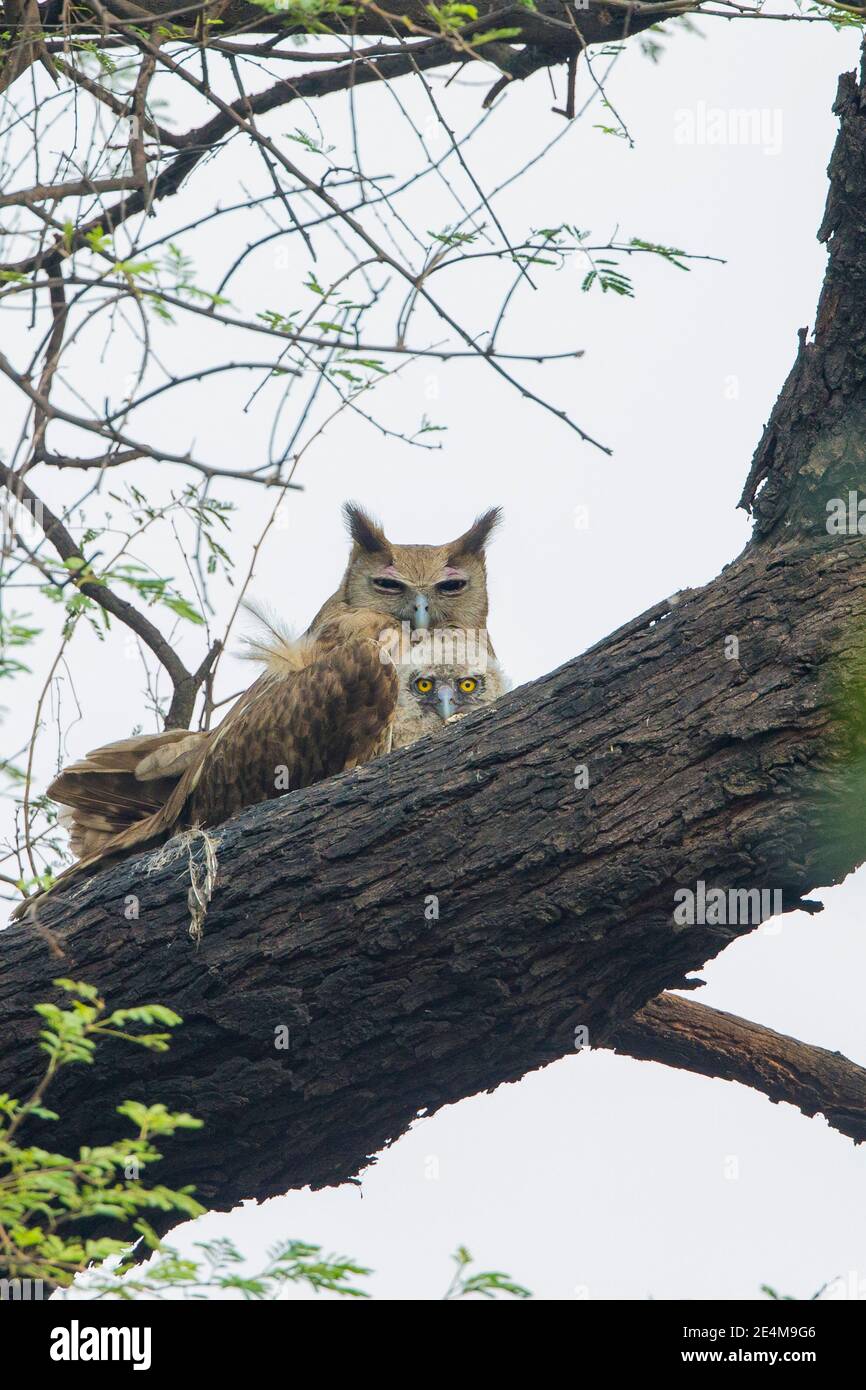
{"points": [[424, 685], [468, 685]]}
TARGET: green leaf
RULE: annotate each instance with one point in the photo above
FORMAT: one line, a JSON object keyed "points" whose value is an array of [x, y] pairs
{"points": [[183, 609]]}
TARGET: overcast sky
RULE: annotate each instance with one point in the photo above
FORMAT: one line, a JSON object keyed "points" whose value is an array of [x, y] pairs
{"points": [[598, 1177]]}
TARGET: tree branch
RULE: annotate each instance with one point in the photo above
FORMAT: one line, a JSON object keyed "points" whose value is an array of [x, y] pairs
{"points": [[693, 1037], [185, 684]]}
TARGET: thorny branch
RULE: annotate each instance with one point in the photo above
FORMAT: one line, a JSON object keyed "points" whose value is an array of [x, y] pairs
{"points": [[185, 683]]}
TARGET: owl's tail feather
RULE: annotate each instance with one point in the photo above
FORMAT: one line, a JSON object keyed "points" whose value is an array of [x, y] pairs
{"points": [[119, 785], [98, 846]]}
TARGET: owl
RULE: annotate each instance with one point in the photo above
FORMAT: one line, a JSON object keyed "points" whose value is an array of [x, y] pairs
{"points": [[445, 681], [322, 705], [426, 586]]}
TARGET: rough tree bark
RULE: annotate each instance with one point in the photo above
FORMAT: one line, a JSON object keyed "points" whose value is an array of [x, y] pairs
{"points": [[555, 904]]}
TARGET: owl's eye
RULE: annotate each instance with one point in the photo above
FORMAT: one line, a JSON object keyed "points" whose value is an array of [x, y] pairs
{"points": [[468, 684], [423, 685], [388, 586], [451, 586]]}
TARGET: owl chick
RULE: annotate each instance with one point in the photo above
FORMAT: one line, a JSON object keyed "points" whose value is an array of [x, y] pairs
{"points": [[445, 682], [426, 586]]}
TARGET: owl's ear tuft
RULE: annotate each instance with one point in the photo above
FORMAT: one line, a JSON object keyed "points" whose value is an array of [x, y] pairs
{"points": [[364, 529], [473, 541]]}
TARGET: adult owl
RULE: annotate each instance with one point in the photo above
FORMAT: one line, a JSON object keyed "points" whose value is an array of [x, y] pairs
{"points": [[426, 586]]}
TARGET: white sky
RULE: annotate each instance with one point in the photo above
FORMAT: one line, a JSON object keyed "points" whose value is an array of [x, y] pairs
{"points": [[598, 1177]]}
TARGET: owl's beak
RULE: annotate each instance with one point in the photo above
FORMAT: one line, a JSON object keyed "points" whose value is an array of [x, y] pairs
{"points": [[421, 612], [445, 702]]}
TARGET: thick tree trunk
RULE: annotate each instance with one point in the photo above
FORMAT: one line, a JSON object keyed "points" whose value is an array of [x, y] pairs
{"points": [[740, 769]]}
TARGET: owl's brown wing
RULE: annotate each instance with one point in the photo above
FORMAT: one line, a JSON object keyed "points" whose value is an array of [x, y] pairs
{"points": [[290, 729]]}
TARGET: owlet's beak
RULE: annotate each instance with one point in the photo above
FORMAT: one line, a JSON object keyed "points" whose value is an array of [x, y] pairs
{"points": [[445, 702], [421, 612]]}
